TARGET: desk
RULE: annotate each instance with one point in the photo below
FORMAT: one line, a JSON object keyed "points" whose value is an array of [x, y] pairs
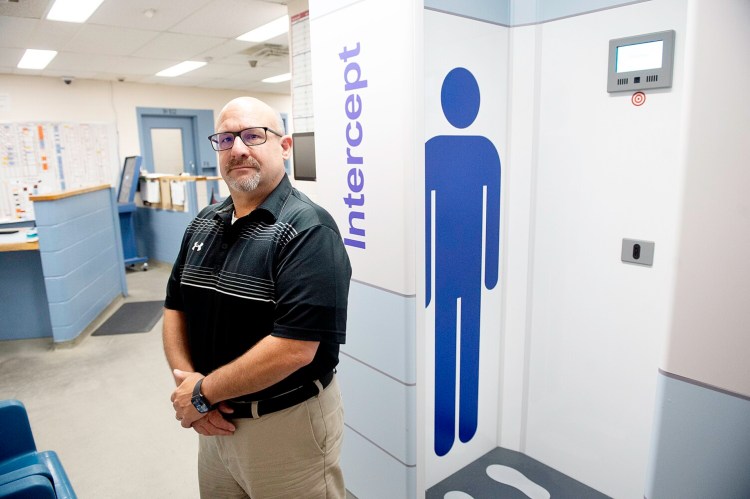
{"points": [[18, 241], [24, 311]]}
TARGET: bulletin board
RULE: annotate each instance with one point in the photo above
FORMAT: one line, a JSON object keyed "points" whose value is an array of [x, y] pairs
{"points": [[43, 157]]}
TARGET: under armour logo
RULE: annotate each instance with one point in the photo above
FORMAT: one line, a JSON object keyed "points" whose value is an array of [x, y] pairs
{"points": [[197, 246]]}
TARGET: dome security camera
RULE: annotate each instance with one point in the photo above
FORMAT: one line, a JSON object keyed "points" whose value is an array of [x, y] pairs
{"points": [[68, 79]]}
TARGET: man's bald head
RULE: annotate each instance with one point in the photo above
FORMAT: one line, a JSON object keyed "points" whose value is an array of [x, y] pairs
{"points": [[251, 106]]}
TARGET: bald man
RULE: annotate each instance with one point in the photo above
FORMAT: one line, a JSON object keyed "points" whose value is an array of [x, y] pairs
{"points": [[254, 315]]}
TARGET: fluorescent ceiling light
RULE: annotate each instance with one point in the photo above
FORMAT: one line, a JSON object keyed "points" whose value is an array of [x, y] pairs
{"points": [[36, 59], [181, 68], [267, 31], [278, 78], [73, 11]]}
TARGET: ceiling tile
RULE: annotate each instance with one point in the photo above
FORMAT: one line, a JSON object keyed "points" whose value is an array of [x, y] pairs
{"points": [[29, 72], [9, 57], [130, 14], [126, 65], [119, 41], [80, 75], [109, 40], [229, 51], [16, 32], [178, 81], [53, 34], [229, 18], [72, 63], [178, 46], [218, 71], [33, 9]]}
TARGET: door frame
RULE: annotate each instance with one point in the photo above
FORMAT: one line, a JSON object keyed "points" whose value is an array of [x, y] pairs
{"points": [[202, 122]]}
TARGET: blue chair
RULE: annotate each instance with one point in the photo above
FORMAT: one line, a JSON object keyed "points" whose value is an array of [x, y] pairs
{"points": [[28, 487], [21, 465]]}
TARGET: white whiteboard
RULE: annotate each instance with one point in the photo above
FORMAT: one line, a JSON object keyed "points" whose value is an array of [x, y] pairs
{"points": [[42, 157]]}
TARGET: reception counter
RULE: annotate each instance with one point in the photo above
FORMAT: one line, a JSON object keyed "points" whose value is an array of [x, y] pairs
{"points": [[58, 286]]}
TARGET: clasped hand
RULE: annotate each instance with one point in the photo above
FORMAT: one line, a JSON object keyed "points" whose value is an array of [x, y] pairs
{"points": [[211, 423]]}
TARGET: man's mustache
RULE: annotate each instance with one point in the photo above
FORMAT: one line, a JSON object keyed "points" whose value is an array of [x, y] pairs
{"points": [[243, 163]]}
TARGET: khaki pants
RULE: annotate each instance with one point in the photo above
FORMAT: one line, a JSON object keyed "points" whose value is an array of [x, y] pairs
{"points": [[293, 453]]}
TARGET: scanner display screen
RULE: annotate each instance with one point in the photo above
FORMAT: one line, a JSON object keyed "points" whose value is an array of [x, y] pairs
{"points": [[640, 56], [303, 149]]}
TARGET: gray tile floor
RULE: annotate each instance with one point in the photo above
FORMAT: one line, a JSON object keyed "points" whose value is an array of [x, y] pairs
{"points": [[515, 476], [103, 406]]}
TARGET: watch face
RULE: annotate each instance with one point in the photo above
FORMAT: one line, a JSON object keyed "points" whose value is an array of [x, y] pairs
{"points": [[199, 404]]}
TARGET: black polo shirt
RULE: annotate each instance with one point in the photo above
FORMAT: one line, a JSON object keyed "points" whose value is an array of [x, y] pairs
{"points": [[280, 270]]}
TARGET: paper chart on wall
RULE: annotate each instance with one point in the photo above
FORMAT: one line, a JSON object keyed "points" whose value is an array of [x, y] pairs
{"points": [[302, 103], [37, 158]]}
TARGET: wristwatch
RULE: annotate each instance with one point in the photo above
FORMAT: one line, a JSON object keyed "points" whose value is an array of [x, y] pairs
{"points": [[199, 401]]}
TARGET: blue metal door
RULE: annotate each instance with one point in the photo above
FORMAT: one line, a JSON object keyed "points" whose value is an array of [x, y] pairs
{"points": [[183, 123]]}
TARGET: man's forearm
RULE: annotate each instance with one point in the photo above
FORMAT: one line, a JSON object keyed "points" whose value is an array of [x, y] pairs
{"points": [[174, 336], [271, 360]]}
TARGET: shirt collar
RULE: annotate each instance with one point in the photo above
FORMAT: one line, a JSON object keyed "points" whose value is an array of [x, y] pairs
{"points": [[272, 205]]}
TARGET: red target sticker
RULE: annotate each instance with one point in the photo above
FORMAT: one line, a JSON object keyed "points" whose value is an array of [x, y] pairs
{"points": [[638, 98]]}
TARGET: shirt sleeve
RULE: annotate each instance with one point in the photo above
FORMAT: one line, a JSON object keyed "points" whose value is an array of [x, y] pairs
{"points": [[173, 300], [312, 287]]}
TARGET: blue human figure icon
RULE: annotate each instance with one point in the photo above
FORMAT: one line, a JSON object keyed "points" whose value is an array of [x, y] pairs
{"points": [[462, 173]]}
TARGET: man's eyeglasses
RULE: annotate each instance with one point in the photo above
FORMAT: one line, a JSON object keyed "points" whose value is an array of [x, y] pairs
{"points": [[254, 136]]}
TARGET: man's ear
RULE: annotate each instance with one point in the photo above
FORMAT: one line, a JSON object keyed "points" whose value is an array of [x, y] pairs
{"points": [[286, 146]]}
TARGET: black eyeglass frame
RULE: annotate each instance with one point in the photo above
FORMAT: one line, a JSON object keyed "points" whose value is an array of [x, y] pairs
{"points": [[265, 129]]}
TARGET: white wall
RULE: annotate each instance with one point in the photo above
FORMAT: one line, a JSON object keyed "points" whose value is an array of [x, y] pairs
{"points": [[709, 341], [91, 101], [704, 386], [489, 67], [365, 141], [581, 332], [602, 170]]}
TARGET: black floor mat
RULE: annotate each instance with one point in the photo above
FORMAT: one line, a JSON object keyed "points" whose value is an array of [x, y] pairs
{"points": [[132, 317]]}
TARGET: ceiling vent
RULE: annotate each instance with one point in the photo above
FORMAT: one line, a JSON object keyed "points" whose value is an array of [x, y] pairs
{"points": [[266, 50], [31, 9]]}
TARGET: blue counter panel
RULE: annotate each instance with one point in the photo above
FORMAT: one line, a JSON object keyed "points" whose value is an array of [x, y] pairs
{"points": [[81, 254], [68, 259], [66, 287], [159, 232], [63, 235], [73, 316], [23, 299], [63, 210]]}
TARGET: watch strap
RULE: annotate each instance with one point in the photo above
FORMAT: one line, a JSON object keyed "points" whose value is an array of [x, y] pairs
{"points": [[198, 395]]}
